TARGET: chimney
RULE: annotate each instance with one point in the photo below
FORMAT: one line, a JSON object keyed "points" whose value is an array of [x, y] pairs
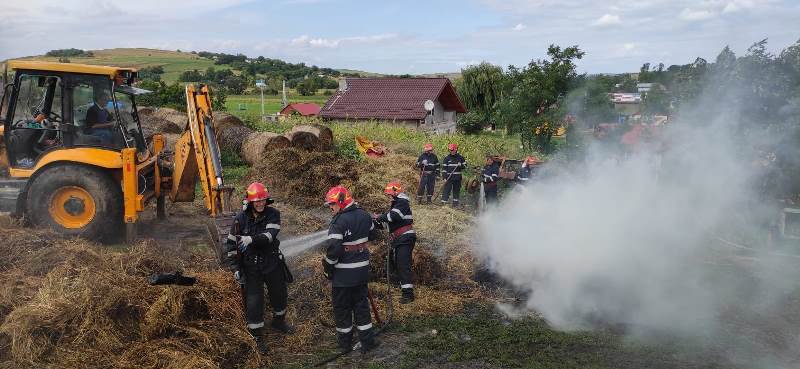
{"points": [[342, 84]]}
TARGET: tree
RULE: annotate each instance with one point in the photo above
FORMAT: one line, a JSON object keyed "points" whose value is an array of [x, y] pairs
{"points": [[534, 105], [307, 87], [480, 87], [656, 102], [152, 73]]}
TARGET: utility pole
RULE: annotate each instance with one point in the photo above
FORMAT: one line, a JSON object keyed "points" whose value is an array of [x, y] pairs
{"points": [[284, 100], [260, 84]]}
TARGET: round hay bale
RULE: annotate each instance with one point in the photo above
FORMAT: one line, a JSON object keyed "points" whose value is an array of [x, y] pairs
{"points": [[302, 140], [155, 121], [256, 146], [232, 138], [170, 139], [325, 136], [311, 137], [224, 121], [145, 110]]}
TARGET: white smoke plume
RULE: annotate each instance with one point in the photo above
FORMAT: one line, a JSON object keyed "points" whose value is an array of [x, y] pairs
{"points": [[652, 241]]}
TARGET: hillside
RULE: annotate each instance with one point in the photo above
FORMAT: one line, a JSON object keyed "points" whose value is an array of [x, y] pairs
{"points": [[173, 62]]}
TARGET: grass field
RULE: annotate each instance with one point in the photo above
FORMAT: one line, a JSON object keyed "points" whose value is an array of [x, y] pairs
{"points": [[249, 106], [173, 62]]}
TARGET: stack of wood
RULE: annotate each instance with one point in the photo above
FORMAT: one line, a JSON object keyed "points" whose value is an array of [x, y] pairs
{"points": [[234, 136]]}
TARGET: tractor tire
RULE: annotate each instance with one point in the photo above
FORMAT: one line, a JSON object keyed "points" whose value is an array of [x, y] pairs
{"points": [[76, 200]]}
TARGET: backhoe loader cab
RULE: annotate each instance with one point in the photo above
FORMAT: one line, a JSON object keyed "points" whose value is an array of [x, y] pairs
{"points": [[52, 107]]}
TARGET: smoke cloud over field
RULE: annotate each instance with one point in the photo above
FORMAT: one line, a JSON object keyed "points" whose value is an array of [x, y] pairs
{"points": [[651, 240]]}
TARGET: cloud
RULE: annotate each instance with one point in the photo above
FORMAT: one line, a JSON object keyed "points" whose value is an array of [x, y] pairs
{"points": [[695, 15], [332, 43], [519, 27], [607, 20]]}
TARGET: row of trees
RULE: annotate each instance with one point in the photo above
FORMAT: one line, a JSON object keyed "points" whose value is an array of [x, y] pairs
{"points": [[72, 52], [275, 71], [528, 100]]}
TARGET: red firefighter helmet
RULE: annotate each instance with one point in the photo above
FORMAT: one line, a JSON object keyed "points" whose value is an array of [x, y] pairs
{"points": [[393, 188], [340, 196], [428, 147], [452, 147], [257, 192]]}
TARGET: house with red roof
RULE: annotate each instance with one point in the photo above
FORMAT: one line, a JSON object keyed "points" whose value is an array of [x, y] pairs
{"points": [[396, 101], [303, 109]]}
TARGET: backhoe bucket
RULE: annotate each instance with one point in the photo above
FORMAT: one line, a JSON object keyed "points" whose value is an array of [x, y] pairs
{"points": [[218, 229]]}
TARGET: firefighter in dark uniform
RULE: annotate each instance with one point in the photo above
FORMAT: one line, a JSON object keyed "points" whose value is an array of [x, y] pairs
{"points": [[452, 166], [402, 237], [346, 264], [428, 165], [255, 236], [489, 177], [528, 170]]}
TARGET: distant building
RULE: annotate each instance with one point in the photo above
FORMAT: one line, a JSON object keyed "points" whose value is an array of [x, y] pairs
{"points": [[644, 88], [303, 109], [396, 100], [626, 103]]}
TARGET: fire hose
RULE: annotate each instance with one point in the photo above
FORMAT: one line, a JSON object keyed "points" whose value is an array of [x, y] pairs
{"points": [[389, 307]]}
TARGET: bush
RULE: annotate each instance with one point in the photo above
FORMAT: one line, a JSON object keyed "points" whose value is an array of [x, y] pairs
{"points": [[471, 122], [69, 52], [163, 95]]}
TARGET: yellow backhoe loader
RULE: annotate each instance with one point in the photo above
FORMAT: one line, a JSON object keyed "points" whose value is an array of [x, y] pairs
{"points": [[73, 156]]}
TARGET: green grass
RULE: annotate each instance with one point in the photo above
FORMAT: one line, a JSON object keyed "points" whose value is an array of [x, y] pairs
{"points": [[249, 106], [531, 343], [173, 62]]}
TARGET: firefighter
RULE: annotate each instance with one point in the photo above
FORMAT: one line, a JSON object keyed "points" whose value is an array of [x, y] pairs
{"points": [[402, 236], [255, 234], [452, 166], [428, 165], [346, 264], [489, 178], [528, 169]]}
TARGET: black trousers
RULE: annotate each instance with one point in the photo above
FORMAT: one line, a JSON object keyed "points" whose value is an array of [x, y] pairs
{"points": [[352, 304], [453, 185], [426, 185], [490, 192], [256, 276], [401, 258]]}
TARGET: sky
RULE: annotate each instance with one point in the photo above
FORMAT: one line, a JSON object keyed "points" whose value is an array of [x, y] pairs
{"points": [[414, 37]]}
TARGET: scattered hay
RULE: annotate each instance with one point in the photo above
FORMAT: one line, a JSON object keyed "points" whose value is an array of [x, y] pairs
{"points": [[426, 268], [68, 303], [302, 178], [375, 173], [256, 146], [72, 304]]}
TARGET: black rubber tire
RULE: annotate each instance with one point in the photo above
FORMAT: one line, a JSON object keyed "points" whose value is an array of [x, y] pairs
{"points": [[105, 192]]}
